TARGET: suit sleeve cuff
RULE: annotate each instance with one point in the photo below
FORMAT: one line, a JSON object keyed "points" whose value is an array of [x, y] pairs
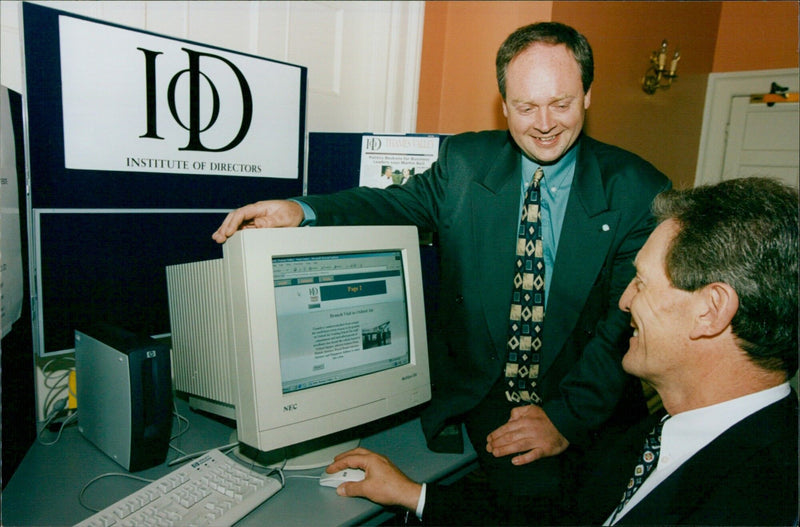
{"points": [[567, 425]]}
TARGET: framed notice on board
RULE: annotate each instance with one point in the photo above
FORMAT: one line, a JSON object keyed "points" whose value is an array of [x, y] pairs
{"points": [[342, 160], [394, 159]]}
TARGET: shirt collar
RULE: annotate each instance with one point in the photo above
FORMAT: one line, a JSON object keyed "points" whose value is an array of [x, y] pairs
{"points": [[558, 174], [687, 432]]}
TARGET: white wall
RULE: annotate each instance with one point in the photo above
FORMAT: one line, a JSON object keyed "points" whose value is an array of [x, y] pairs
{"points": [[363, 57]]}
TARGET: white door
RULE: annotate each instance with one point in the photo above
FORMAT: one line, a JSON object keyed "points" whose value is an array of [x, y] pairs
{"points": [[763, 140], [739, 138]]}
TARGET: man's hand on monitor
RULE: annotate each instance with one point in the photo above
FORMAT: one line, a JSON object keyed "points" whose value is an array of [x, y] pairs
{"points": [[528, 432], [270, 213], [384, 482]]}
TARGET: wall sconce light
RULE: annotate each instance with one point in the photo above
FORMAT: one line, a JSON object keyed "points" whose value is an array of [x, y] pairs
{"points": [[658, 75]]}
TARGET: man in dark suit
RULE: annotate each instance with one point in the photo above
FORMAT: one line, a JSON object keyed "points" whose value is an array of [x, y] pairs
{"points": [[714, 307], [595, 215]]}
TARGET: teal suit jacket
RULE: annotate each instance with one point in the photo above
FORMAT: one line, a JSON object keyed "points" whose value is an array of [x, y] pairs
{"points": [[470, 199]]}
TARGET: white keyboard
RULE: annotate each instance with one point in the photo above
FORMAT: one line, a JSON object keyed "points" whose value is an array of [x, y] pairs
{"points": [[211, 490]]}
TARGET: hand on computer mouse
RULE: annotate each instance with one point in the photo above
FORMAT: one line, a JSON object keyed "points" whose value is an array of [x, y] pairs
{"points": [[335, 479], [383, 483]]}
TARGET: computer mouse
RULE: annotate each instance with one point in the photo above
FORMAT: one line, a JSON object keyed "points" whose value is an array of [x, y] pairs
{"points": [[337, 478]]}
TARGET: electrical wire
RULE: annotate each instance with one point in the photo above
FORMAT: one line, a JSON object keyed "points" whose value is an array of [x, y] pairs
{"points": [[106, 475], [279, 470], [60, 405], [193, 455], [181, 419], [54, 380]]}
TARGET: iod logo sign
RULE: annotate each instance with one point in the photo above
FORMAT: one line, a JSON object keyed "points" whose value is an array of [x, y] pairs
{"points": [[133, 101], [195, 77]]}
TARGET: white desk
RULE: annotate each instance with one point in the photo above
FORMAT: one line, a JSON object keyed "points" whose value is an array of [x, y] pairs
{"points": [[44, 490]]}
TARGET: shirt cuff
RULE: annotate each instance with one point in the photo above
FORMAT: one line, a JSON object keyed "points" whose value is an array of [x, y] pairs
{"points": [[421, 502], [310, 217]]}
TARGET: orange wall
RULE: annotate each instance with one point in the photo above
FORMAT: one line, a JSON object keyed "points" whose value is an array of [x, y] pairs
{"points": [[458, 90], [458, 87], [664, 128], [769, 44]]}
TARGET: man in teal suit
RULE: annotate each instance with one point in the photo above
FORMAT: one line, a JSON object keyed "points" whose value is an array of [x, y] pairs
{"points": [[595, 214]]}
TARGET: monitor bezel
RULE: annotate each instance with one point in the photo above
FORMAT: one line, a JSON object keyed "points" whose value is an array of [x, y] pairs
{"points": [[266, 417]]}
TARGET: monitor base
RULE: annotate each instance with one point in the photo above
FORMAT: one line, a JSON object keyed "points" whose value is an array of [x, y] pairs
{"points": [[316, 453]]}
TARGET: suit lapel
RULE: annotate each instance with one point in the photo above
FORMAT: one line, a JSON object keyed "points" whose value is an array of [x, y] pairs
{"points": [[495, 211], [690, 485], [586, 235]]}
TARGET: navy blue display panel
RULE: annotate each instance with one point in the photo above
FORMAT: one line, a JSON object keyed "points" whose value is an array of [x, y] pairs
{"points": [[110, 214], [109, 267], [334, 161], [54, 186]]}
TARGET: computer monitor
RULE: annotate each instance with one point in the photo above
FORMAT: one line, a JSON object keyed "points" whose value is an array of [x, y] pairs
{"points": [[322, 329]]}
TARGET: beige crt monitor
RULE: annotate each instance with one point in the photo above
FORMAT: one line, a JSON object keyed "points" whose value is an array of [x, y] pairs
{"points": [[325, 331]]}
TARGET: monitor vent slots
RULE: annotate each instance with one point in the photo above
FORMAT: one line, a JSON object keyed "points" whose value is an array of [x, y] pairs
{"points": [[201, 360]]}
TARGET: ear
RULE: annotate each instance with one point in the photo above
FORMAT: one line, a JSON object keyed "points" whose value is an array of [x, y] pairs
{"points": [[717, 304]]}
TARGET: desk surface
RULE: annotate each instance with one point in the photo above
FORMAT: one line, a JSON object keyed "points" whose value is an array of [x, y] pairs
{"points": [[44, 490]]}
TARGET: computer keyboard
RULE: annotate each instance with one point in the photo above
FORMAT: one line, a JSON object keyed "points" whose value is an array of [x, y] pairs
{"points": [[211, 490]]}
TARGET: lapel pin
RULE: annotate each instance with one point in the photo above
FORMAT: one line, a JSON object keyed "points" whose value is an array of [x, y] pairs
{"points": [[605, 227]]}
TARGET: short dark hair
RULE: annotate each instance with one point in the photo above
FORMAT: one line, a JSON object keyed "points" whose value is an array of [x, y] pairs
{"points": [[549, 33], [743, 232]]}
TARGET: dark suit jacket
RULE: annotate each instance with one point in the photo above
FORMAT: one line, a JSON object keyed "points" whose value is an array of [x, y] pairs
{"points": [[470, 198], [746, 476]]}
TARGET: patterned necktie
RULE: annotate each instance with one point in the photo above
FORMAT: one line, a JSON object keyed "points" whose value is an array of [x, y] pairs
{"points": [[647, 462], [527, 303]]}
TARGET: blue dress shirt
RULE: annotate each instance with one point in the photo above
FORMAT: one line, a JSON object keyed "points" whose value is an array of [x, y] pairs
{"points": [[554, 189], [554, 196]]}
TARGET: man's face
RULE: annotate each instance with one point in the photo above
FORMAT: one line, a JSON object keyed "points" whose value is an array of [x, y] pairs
{"points": [[661, 315], [545, 103]]}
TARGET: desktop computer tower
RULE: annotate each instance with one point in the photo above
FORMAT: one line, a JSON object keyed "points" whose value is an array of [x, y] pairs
{"points": [[124, 391]]}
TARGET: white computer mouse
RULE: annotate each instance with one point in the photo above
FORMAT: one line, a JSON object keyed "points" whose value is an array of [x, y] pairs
{"points": [[337, 478]]}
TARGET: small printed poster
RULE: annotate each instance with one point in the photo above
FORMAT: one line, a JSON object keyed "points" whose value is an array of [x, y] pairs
{"points": [[394, 159]]}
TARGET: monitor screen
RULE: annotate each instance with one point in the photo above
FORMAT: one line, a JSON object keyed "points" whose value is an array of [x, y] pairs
{"points": [[301, 333], [339, 316]]}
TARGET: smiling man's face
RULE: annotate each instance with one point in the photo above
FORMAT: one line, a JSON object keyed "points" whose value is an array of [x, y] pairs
{"points": [[545, 104], [661, 314]]}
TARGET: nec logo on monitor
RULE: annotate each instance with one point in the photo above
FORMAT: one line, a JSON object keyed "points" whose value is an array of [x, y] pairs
{"points": [[290, 407]]}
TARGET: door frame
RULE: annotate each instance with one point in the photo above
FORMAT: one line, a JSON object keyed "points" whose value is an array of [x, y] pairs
{"points": [[716, 113]]}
